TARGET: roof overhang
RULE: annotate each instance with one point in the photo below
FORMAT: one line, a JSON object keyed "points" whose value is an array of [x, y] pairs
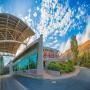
{"points": [[13, 31]]}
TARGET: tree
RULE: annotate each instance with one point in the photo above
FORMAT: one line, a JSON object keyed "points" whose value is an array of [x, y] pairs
{"points": [[85, 59], [74, 48]]}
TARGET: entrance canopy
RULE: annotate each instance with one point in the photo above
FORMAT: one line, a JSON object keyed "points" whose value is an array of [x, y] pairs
{"points": [[13, 32]]}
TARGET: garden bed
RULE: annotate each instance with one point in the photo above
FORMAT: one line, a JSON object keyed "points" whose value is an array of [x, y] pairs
{"points": [[66, 67]]}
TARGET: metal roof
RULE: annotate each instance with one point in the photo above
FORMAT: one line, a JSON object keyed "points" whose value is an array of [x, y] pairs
{"points": [[13, 32]]}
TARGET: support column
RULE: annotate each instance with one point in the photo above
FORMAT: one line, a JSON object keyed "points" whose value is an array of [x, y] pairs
{"points": [[40, 57], [11, 68]]}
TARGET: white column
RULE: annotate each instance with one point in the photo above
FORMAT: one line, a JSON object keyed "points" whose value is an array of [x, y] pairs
{"points": [[40, 57]]}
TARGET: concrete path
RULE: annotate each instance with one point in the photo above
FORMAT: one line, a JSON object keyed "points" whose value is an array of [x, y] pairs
{"points": [[9, 83], [79, 82]]}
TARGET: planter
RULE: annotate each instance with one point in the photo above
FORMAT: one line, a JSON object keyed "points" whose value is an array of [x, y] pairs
{"points": [[54, 73]]}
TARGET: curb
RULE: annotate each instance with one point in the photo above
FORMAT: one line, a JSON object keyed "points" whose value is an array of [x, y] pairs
{"points": [[53, 78]]}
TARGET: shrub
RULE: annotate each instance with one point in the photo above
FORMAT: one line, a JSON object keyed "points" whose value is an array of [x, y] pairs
{"points": [[86, 65], [54, 66], [62, 67]]}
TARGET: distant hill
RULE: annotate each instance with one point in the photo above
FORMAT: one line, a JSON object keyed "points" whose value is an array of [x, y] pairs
{"points": [[84, 47]]}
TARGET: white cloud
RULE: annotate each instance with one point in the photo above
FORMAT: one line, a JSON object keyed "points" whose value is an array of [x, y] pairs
{"points": [[85, 35], [81, 12], [78, 16], [60, 21], [51, 37], [38, 8], [35, 14], [64, 46], [27, 19], [36, 1], [51, 21], [54, 42], [55, 23], [1, 9]]}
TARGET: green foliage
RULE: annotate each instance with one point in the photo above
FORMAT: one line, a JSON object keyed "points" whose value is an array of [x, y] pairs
{"points": [[62, 67], [86, 65], [67, 67], [74, 48], [54, 66], [84, 59]]}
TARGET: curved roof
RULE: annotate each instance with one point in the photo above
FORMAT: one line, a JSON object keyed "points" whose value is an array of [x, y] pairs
{"points": [[13, 32]]}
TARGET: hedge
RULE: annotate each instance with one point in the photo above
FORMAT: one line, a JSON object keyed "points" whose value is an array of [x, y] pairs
{"points": [[62, 67]]}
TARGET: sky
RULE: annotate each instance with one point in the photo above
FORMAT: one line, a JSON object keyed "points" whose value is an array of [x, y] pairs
{"points": [[57, 20]]}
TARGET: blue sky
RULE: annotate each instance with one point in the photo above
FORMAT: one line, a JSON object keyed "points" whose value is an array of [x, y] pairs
{"points": [[57, 20]]}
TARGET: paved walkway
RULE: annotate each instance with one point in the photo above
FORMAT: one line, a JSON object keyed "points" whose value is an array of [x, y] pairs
{"points": [[9, 83], [79, 82]]}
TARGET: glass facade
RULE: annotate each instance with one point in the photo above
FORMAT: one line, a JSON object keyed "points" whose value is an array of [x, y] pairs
{"points": [[1, 65], [28, 61]]}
